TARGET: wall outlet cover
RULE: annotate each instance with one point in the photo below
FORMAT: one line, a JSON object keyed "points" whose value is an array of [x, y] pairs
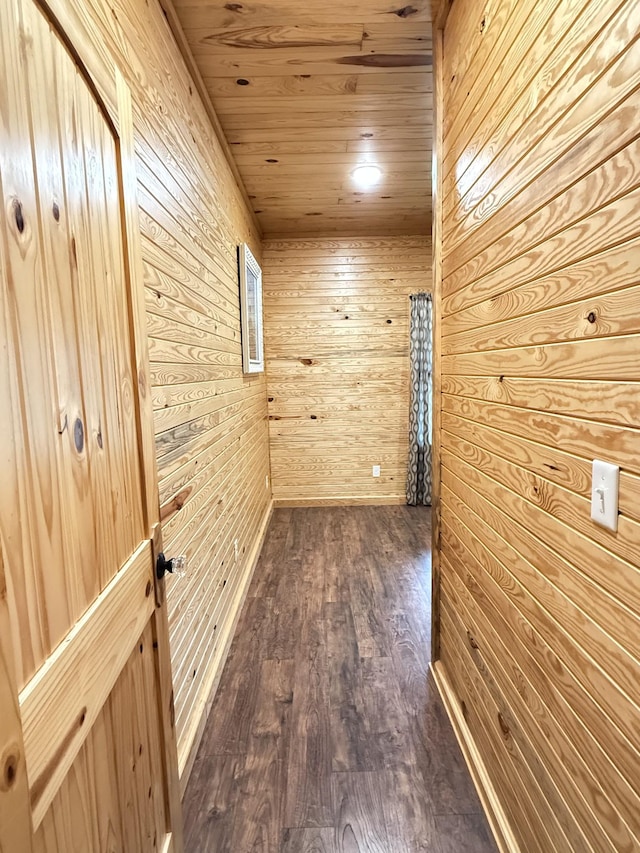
{"points": [[604, 494], [376, 471]]}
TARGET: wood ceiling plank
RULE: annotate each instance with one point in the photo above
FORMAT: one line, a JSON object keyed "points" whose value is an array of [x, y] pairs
{"points": [[320, 104], [345, 118], [366, 132], [414, 81], [276, 149], [411, 163], [290, 38], [320, 88], [266, 149], [252, 63], [422, 146], [199, 13], [287, 84]]}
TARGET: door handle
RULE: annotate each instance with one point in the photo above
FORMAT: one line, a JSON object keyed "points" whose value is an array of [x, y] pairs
{"points": [[176, 565]]}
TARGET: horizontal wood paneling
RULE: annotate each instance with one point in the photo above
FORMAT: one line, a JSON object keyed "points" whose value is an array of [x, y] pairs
{"points": [[337, 349], [540, 368], [210, 419], [307, 92]]}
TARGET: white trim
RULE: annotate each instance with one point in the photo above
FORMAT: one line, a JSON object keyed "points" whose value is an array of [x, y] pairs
{"points": [[246, 261]]}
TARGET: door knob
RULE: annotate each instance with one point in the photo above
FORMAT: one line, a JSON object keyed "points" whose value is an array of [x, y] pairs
{"points": [[176, 565]]}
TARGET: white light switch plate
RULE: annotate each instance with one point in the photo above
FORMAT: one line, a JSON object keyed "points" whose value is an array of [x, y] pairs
{"points": [[376, 471], [604, 494]]}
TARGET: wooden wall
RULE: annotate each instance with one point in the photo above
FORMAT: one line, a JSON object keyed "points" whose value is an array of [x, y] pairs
{"points": [[337, 350], [540, 607], [210, 420]]}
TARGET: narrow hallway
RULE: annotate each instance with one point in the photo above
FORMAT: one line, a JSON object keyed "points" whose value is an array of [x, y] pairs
{"points": [[327, 732]]}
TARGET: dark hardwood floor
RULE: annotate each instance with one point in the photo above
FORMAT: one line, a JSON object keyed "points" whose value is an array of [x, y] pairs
{"points": [[327, 733]]}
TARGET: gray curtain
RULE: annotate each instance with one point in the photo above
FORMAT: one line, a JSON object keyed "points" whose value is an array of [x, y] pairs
{"points": [[421, 356]]}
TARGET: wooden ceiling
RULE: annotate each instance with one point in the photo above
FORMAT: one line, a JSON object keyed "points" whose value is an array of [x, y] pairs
{"points": [[305, 91]]}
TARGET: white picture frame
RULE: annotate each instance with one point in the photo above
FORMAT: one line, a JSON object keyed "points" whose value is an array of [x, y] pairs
{"points": [[250, 275]]}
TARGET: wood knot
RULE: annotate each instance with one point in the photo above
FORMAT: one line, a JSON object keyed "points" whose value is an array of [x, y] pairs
{"points": [[483, 25], [306, 361], [270, 399], [506, 731], [463, 708], [591, 317], [389, 322], [147, 590], [366, 135], [233, 7], [78, 435], [501, 378], [242, 82], [313, 417], [405, 11], [10, 768], [18, 215], [271, 160], [56, 211], [472, 640]]}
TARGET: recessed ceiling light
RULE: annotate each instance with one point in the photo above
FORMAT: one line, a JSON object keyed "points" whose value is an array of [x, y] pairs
{"points": [[367, 175]]}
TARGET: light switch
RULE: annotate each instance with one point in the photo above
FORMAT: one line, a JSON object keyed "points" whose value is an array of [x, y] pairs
{"points": [[376, 471], [604, 494]]}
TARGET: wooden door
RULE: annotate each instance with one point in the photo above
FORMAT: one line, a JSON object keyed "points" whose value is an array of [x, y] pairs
{"points": [[87, 746]]}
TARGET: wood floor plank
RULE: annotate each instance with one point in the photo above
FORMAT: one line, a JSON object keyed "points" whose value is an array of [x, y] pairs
{"points": [[309, 841], [209, 818], [258, 817], [463, 833], [360, 823], [327, 732], [410, 824], [308, 796]]}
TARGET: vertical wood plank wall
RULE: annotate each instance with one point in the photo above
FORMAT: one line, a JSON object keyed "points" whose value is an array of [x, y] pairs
{"points": [[337, 350], [210, 419], [540, 607]]}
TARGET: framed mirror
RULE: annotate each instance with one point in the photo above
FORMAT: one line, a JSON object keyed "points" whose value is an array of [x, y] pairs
{"points": [[250, 311]]}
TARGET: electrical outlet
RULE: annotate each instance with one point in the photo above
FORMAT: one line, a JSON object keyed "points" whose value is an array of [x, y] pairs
{"points": [[376, 471]]}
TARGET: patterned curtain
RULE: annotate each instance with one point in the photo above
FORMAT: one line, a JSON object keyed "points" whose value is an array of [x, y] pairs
{"points": [[421, 355]]}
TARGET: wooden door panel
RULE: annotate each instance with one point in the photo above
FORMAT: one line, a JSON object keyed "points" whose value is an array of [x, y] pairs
{"points": [[86, 701], [32, 501], [98, 806], [67, 336], [60, 704]]}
